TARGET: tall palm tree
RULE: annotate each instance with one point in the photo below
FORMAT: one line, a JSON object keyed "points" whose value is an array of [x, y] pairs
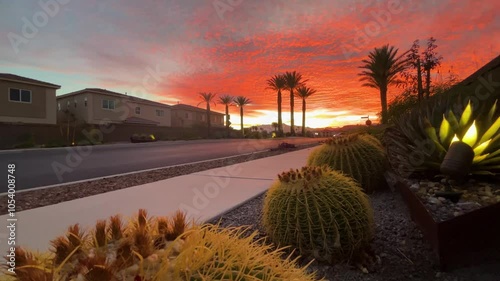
{"points": [[241, 101], [207, 98], [381, 71], [226, 100], [278, 83], [304, 92], [293, 80]]}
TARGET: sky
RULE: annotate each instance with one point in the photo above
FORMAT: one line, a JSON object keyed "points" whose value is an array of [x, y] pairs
{"points": [[170, 50]]}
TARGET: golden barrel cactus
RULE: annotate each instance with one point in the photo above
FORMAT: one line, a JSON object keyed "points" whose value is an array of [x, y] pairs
{"points": [[155, 249], [360, 156], [320, 212]]}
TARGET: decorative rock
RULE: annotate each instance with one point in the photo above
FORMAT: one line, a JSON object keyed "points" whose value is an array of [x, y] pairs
{"points": [[444, 180], [438, 274], [415, 186], [434, 200], [442, 199], [456, 214]]}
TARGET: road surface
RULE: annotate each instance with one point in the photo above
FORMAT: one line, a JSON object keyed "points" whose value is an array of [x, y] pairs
{"points": [[43, 167]]}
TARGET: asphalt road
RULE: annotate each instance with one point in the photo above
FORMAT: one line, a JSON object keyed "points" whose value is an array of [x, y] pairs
{"points": [[42, 167]]}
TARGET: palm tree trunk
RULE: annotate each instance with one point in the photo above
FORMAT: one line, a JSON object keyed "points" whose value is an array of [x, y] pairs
{"points": [[227, 120], [303, 117], [208, 120], [292, 129], [383, 101], [241, 121], [280, 121]]}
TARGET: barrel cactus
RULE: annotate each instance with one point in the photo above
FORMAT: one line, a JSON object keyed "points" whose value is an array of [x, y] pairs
{"points": [[360, 156], [319, 211], [155, 249]]}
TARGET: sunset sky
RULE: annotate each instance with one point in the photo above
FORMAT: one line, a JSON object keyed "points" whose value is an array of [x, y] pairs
{"points": [[170, 50]]}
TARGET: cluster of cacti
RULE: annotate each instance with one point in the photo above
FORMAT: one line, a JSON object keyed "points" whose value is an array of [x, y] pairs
{"points": [[421, 138], [360, 156], [155, 249], [319, 211]]}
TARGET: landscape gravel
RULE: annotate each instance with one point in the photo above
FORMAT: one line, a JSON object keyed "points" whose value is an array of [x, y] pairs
{"points": [[403, 253], [43, 197]]}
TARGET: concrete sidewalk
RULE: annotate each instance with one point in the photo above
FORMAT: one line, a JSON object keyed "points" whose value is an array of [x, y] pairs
{"points": [[203, 195]]}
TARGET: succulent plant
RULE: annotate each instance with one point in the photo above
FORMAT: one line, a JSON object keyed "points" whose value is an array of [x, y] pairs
{"points": [[421, 138], [360, 156], [319, 211], [155, 249]]}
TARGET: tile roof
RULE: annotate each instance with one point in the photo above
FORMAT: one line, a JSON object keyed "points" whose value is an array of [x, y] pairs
{"points": [[17, 78]]}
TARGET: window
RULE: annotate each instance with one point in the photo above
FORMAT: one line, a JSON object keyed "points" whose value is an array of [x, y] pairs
{"points": [[160, 112], [59, 106], [187, 115], [20, 95], [67, 104], [85, 101], [75, 103], [108, 104], [138, 110]]}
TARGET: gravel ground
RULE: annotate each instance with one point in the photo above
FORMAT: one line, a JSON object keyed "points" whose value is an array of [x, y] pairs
{"points": [[44, 197], [404, 255]]}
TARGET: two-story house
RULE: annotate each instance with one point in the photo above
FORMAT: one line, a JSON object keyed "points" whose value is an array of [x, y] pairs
{"points": [[98, 106], [184, 115], [26, 100]]}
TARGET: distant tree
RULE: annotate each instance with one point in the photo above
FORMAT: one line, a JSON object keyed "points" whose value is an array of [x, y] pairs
{"points": [[227, 100], [431, 60], [421, 64], [304, 92], [207, 98], [293, 81], [381, 70], [241, 102], [275, 125], [278, 83]]}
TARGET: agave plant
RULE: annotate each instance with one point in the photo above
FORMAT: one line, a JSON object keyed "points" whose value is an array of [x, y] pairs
{"points": [[421, 138]]}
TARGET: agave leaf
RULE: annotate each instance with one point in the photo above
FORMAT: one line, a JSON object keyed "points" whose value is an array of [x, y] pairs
{"points": [[483, 173], [479, 158], [431, 133], [466, 115], [452, 119], [491, 131], [493, 109], [491, 159], [470, 136], [480, 148], [445, 131]]}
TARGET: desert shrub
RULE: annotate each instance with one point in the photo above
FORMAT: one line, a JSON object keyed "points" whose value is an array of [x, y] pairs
{"points": [[320, 212], [360, 156]]}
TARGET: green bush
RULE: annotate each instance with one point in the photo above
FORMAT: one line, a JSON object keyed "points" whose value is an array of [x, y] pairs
{"points": [[360, 156], [25, 141], [320, 212]]}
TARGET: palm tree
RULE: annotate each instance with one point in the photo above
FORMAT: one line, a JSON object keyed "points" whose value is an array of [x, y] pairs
{"points": [[304, 92], [241, 101], [381, 70], [207, 98], [278, 83], [293, 80], [226, 100]]}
